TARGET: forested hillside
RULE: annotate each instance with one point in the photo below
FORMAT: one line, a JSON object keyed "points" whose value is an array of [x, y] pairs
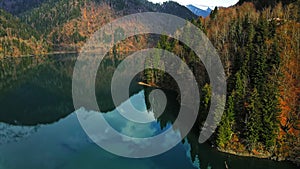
{"points": [[257, 48], [260, 52], [17, 38]]}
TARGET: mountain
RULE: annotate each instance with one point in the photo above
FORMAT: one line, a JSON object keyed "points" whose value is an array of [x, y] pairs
{"points": [[69, 23], [17, 7], [65, 24], [198, 11], [53, 13], [174, 8]]}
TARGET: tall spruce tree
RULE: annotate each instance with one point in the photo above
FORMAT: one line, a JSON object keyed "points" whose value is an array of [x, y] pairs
{"points": [[254, 121], [225, 130]]}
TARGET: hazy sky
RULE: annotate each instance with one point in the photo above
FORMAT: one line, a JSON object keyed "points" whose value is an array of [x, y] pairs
{"points": [[224, 3]]}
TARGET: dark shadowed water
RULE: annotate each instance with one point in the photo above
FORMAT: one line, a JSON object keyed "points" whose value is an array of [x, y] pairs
{"points": [[40, 130]]}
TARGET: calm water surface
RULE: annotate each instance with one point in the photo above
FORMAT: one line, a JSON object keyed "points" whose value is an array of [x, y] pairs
{"points": [[39, 127]]}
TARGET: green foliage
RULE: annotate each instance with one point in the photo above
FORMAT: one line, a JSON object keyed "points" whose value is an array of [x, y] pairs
{"points": [[198, 23], [254, 121], [205, 98], [76, 36], [239, 99], [225, 130], [252, 83], [17, 38], [214, 13], [12, 26], [154, 76], [52, 13], [270, 113]]}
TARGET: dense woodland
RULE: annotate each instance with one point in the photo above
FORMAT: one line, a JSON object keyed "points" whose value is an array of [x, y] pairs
{"points": [[258, 42], [260, 51], [261, 55]]}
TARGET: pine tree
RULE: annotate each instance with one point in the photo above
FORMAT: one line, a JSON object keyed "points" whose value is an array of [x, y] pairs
{"points": [[250, 33], [214, 13], [225, 130], [204, 103], [254, 121], [239, 99], [149, 72], [270, 113]]}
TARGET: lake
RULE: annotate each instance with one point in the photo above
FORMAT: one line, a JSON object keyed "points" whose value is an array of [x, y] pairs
{"points": [[39, 127]]}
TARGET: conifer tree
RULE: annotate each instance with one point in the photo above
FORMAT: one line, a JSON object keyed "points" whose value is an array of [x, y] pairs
{"points": [[225, 130], [254, 121]]}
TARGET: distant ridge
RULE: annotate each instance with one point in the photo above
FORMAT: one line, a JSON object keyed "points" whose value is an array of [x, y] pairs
{"points": [[198, 11]]}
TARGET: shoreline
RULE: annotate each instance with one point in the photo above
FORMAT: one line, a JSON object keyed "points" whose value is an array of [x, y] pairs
{"points": [[42, 54], [261, 156], [247, 154]]}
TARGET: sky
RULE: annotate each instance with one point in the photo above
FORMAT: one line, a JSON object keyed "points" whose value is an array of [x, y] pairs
{"points": [[202, 3]]}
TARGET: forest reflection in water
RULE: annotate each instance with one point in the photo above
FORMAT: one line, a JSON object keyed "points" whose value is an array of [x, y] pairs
{"points": [[39, 128]]}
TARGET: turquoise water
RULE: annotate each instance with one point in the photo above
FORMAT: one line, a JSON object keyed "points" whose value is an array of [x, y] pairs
{"points": [[39, 127]]}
